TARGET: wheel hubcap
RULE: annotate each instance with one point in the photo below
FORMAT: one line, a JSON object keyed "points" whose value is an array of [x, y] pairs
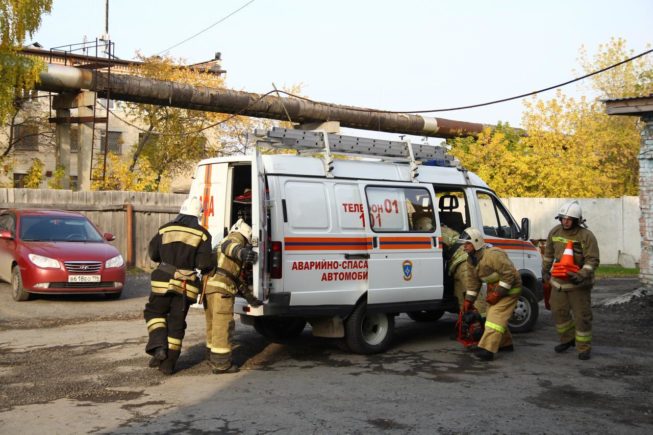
{"points": [[521, 313], [375, 328]]}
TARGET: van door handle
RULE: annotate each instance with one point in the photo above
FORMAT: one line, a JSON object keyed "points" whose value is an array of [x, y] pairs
{"points": [[357, 256]]}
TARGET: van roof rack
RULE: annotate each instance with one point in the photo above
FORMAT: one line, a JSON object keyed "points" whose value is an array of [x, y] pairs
{"points": [[313, 141]]}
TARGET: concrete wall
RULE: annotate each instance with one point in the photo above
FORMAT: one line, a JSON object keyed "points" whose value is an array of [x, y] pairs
{"points": [[614, 222]]}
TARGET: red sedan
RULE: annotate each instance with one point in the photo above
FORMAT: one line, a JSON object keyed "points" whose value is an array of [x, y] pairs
{"points": [[57, 252]]}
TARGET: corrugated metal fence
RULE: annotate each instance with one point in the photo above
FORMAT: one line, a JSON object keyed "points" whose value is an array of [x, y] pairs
{"points": [[109, 211]]}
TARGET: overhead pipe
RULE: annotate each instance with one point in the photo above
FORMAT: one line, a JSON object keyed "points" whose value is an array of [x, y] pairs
{"points": [[136, 89]]}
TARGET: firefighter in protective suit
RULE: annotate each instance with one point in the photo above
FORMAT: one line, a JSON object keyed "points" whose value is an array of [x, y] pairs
{"points": [[571, 303], [223, 285], [180, 247], [491, 266]]}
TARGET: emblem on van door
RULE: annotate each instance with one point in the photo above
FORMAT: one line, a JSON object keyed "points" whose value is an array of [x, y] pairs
{"points": [[408, 270]]}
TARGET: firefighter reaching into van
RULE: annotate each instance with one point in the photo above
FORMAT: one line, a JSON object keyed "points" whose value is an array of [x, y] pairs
{"points": [[233, 252], [180, 247], [491, 266], [571, 286]]}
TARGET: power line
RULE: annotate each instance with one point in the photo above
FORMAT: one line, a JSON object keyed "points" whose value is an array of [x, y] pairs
{"points": [[502, 100], [210, 27]]}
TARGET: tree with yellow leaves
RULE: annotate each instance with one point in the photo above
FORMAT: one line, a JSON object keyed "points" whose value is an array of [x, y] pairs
{"points": [[17, 73], [572, 148]]}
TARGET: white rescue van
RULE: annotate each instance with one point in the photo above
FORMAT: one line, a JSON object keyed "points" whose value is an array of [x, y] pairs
{"points": [[337, 238]]}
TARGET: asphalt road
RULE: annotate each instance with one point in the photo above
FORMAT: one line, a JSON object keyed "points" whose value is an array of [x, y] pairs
{"points": [[76, 365]]}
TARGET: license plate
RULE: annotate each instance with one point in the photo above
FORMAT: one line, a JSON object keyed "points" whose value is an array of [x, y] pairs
{"points": [[84, 278]]}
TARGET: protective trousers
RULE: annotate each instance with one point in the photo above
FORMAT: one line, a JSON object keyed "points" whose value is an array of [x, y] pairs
{"points": [[165, 317], [219, 312], [496, 333], [572, 315]]}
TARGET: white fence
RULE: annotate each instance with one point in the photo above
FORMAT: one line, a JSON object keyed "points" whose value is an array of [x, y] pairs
{"points": [[614, 222]]}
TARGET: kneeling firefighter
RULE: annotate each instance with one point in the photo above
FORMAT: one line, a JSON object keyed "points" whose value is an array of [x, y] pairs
{"points": [[491, 266], [180, 247], [232, 253]]}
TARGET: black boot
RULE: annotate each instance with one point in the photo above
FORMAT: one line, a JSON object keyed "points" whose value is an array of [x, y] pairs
{"points": [[233, 368], [564, 346], [167, 366], [159, 355], [584, 355], [508, 348], [483, 355]]}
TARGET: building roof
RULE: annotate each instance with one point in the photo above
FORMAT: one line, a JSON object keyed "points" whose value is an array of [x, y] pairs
{"points": [[636, 106]]}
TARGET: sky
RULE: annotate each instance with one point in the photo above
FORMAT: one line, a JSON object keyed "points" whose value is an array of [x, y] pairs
{"points": [[404, 55]]}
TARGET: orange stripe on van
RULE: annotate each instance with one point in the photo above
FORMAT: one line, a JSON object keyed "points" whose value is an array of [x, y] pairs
{"points": [[405, 243], [327, 243], [207, 195]]}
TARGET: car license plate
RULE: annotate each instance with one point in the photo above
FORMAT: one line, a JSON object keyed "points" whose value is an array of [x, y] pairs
{"points": [[84, 278]]}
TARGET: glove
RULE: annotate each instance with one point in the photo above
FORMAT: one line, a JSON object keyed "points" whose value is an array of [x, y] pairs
{"points": [[546, 288], [468, 305], [575, 278], [247, 255], [249, 296], [546, 276], [493, 297]]}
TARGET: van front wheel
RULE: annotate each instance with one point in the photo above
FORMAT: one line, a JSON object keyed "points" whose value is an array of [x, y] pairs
{"points": [[526, 312], [368, 333]]}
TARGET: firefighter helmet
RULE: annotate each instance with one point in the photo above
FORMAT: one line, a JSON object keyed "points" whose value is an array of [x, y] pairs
{"points": [[241, 227], [571, 210], [191, 207], [473, 236]]}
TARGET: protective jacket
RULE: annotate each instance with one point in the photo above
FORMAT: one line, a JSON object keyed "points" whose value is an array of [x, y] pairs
{"points": [[225, 278], [453, 250], [491, 266], [586, 255], [180, 247]]}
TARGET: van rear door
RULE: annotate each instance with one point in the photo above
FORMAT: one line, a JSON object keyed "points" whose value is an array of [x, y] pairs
{"points": [[260, 230], [405, 262], [210, 185]]}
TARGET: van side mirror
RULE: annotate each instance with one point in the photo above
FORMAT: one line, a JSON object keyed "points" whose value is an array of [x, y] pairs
{"points": [[525, 229]]}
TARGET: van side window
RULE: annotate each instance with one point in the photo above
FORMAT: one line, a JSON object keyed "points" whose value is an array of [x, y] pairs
{"points": [[400, 209], [307, 205], [452, 209], [496, 220]]}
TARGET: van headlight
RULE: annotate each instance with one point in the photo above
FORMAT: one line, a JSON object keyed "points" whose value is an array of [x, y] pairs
{"points": [[44, 262], [116, 261]]}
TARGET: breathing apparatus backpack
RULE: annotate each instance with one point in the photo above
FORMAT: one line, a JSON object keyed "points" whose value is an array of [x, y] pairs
{"points": [[470, 327]]}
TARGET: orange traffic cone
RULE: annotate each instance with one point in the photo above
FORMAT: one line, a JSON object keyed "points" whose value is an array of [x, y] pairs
{"points": [[566, 263]]}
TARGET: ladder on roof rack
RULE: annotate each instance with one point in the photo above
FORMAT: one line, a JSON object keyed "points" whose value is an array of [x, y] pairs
{"points": [[314, 141], [328, 143]]}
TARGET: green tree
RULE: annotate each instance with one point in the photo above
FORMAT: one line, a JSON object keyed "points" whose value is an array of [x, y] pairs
{"points": [[34, 174], [17, 73]]}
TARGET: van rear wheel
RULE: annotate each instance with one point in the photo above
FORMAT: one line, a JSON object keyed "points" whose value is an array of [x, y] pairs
{"points": [[279, 329], [368, 333]]}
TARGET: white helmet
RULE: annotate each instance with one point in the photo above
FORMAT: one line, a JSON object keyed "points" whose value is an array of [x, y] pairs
{"points": [[191, 207], [473, 236], [241, 227], [571, 209]]}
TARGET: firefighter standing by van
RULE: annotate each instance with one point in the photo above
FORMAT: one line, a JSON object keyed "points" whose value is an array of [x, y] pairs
{"points": [[180, 247], [225, 282], [491, 266], [571, 302]]}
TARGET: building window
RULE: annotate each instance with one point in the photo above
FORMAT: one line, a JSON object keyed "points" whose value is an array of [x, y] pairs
{"points": [[26, 137], [19, 180], [73, 182], [115, 141]]}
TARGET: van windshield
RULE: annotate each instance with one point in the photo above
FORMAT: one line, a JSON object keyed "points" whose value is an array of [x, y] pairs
{"points": [[57, 229]]}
